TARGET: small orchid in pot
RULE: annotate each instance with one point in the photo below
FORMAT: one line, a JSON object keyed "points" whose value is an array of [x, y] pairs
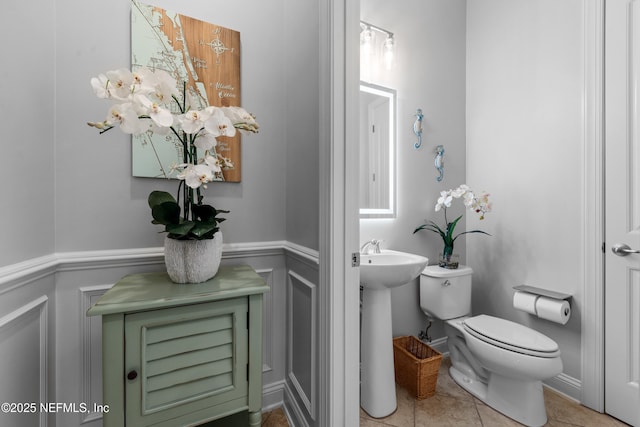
{"points": [[478, 204], [148, 101]]}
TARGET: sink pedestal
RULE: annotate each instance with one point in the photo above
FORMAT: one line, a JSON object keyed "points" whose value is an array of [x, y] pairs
{"points": [[379, 273], [377, 379]]}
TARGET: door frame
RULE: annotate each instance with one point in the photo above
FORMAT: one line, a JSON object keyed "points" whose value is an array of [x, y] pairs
{"points": [[339, 331], [593, 245]]}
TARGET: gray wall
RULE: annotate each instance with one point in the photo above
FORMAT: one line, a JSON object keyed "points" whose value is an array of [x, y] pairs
{"points": [[524, 144], [27, 178], [69, 194], [77, 186], [429, 73], [500, 83]]}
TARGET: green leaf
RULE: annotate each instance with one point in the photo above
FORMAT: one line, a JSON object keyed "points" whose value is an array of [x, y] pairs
{"points": [[158, 197], [180, 230], [431, 226], [204, 212], [166, 213], [207, 213], [201, 229], [450, 227], [472, 231]]}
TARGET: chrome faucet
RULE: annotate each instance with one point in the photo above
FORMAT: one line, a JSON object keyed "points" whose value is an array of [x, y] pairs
{"points": [[373, 244]]}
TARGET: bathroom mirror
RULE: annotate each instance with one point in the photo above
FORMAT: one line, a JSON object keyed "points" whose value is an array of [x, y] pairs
{"points": [[377, 151]]}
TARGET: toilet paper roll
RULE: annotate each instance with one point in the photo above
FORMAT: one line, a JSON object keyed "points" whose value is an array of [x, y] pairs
{"points": [[555, 310], [525, 301]]}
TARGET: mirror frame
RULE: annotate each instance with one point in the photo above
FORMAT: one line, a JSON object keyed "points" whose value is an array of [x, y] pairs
{"points": [[391, 94]]}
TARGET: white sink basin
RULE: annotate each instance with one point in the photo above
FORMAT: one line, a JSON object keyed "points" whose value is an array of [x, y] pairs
{"points": [[390, 269]]}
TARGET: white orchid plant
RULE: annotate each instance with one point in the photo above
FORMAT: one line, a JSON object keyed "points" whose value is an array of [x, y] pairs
{"points": [[478, 204], [148, 101]]}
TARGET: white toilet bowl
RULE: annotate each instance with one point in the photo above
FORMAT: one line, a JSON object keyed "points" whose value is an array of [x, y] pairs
{"points": [[506, 377], [500, 362]]}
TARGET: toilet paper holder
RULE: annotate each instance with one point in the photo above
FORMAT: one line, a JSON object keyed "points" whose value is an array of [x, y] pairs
{"points": [[543, 292]]}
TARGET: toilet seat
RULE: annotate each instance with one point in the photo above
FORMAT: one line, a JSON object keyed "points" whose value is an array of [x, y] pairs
{"points": [[511, 336]]}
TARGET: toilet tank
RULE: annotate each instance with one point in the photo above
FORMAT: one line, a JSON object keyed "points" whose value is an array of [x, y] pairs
{"points": [[445, 293]]}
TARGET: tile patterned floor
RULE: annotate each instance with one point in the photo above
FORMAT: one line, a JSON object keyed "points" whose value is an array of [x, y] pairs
{"points": [[275, 418], [452, 406]]}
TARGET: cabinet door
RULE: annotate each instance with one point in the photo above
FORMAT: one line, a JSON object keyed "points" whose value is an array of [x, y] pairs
{"points": [[181, 363]]}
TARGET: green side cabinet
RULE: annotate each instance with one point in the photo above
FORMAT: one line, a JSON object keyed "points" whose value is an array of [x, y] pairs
{"points": [[182, 354]]}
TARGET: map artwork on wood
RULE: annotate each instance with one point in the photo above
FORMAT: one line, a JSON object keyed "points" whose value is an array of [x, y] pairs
{"points": [[207, 58]]}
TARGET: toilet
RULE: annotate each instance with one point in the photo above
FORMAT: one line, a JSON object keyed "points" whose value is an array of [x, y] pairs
{"points": [[500, 362]]}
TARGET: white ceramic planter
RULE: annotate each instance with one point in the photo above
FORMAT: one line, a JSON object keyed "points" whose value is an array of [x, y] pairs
{"points": [[193, 261]]}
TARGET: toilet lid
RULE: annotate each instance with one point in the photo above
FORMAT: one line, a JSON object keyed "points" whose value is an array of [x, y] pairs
{"points": [[511, 336]]}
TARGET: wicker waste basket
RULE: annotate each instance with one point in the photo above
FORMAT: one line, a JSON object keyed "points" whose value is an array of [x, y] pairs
{"points": [[416, 366]]}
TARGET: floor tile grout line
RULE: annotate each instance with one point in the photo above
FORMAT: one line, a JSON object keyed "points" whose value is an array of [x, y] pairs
{"points": [[475, 405]]}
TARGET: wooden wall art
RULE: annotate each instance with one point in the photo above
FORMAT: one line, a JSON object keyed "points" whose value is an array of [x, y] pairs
{"points": [[206, 57]]}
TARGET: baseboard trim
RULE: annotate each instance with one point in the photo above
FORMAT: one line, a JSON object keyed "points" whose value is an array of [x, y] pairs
{"points": [[292, 409], [439, 345], [273, 395], [566, 385]]}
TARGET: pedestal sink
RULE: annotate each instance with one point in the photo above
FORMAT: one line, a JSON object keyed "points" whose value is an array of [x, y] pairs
{"points": [[379, 273]]}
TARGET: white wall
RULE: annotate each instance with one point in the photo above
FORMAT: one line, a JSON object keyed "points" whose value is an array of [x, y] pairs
{"points": [[524, 146], [430, 74]]}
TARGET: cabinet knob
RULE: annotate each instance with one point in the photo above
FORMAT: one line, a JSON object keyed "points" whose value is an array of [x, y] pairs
{"points": [[132, 375]]}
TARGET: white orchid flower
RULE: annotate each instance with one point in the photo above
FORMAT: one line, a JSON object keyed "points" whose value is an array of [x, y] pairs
{"points": [[125, 115], [193, 120], [445, 200], [469, 199], [213, 163], [165, 86], [158, 85], [241, 119], [100, 86], [161, 116], [460, 191], [225, 162], [196, 175], [120, 83], [205, 141], [218, 124]]}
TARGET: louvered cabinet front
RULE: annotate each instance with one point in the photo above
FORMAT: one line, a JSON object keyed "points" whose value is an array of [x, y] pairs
{"points": [[185, 359], [182, 354]]}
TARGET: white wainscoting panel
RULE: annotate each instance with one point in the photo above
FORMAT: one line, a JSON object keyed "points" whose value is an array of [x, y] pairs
{"points": [[24, 356], [91, 342], [301, 339], [267, 320], [66, 366]]}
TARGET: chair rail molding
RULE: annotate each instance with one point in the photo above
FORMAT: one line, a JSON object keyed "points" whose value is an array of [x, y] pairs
{"points": [[15, 275]]}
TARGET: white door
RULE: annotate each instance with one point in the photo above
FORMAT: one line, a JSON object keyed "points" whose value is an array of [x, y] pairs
{"points": [[622, 199], [378, 128]]}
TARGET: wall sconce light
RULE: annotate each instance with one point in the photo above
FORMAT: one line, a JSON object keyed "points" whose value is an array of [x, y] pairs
{"points": [[368, 42], [387, 51]]}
